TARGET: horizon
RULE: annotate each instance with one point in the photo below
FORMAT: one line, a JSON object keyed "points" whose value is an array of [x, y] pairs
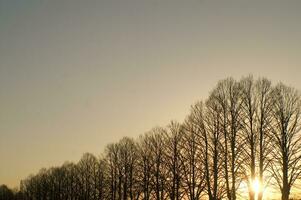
{"points": [[77, 76]]}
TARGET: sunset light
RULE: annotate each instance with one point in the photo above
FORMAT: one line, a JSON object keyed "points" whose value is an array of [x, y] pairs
{"points": [[150, 100], [256, 186]]}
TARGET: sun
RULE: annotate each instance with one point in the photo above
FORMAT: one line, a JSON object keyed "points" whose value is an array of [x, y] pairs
{"points": [[256, 186]]}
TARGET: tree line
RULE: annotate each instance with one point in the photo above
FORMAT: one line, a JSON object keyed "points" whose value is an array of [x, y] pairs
{"points": [[246, 130]]}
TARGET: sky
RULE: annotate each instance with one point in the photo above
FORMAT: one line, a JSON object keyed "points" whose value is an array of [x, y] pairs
{"points": [[77, 75]]}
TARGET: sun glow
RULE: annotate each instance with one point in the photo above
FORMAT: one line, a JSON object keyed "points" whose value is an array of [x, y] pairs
{"points": [[256, 186]]}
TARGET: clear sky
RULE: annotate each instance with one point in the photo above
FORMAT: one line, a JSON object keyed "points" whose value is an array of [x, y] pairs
{"points": [[76, 75]]}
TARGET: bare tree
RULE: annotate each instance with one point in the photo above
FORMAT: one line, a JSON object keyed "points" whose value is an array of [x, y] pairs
{"points": [[101, 182], [157, 147], [213, 139], [87, 170], [286, 165], [6, 193], [228, 95], [263, 90], [128, 160], [112, 152], [145, 165], [207, 119], [249, 129], [121, 162], [173, 161], [192, 159]]}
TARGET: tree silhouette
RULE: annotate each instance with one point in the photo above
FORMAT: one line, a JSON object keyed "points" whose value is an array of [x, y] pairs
{"points": [[245, 130], [286, 165]]}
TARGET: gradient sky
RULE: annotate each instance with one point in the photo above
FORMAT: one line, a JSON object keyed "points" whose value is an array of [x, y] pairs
{"points": [[76, 75]]}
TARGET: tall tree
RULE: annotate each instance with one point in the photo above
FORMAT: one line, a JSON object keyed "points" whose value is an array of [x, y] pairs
{"points": [[228, 95], [112, 151], [249, 129], [192, 159], [173, 163], [127, 164], [86, 169], [263, 89], [286, 167], [159, 171], [213, 139], [145, 165]]}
